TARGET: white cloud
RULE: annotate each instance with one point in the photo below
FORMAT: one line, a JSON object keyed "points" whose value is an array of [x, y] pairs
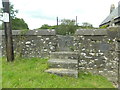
{"points": [[39, 12]]}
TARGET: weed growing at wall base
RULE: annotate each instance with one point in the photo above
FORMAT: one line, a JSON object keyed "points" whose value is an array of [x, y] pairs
{"points": [[29, 73]]}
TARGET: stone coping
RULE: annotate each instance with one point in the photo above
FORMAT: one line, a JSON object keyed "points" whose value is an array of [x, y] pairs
{"points": [[32, 32], [99, 32]]}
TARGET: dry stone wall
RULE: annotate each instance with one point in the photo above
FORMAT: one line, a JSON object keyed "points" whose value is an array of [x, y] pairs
{"points": [[97, 53], [96, 49], [37, 43]]}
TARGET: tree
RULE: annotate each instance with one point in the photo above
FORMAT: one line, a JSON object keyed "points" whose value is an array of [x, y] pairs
{"points": [[87, 25], [67, 27], [17, 23], [13, 12], [46, 26], [1, 27]]}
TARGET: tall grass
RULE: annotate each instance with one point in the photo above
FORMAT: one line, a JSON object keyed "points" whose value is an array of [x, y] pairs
{"points": [[29, 73]]}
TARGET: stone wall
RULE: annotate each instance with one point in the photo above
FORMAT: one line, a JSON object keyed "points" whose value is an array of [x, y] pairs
{"points": [[97, 53], [37, 43], [96, 49]]}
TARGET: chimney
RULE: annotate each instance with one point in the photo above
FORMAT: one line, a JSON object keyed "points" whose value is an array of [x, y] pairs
{"points": [[112, 8]]}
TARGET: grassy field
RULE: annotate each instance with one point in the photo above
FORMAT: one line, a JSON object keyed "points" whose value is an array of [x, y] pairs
{"points": [[29, 73]]}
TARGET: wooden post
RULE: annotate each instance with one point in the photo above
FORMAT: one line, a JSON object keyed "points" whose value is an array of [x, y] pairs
{"points": [[57, 21], [76, 20], [8, 31]]}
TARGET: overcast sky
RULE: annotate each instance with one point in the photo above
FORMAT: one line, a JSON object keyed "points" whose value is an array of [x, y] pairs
{"points": [[39, 12]]}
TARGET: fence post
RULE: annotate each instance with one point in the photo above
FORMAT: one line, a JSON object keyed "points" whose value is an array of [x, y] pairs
{"points": [[8, 31]]}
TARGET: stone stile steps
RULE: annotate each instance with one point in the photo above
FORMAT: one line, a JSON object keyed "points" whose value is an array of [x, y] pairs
{"points": [[63, 63]]}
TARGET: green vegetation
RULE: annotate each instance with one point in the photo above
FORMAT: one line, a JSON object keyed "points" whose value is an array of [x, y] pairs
{"points": [[17, 23], [13, 12], [86, 25], [0, 72], [1, 27], [67, 27], [46, 26], [29, 73], [104, 26]]}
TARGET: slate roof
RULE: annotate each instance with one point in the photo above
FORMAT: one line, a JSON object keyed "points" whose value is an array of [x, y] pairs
{"points": [[115, 14]]}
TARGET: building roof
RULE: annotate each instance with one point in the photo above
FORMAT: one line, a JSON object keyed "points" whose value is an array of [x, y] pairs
{"points": [[113, 15]]}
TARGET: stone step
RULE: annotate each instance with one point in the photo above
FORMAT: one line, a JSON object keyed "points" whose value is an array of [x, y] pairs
{"points": [[63, 72], [63, 63], [64, 55]]}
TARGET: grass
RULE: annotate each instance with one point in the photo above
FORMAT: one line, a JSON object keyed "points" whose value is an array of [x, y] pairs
{"points": [[29, 73]]}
